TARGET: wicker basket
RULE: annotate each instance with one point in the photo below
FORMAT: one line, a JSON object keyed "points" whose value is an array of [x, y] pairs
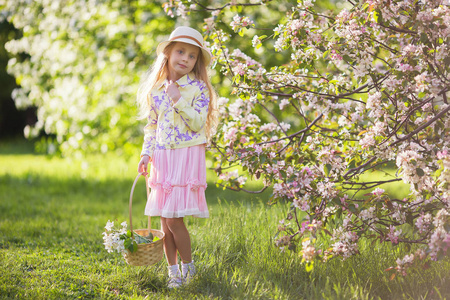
{"points": [[146, 254]]}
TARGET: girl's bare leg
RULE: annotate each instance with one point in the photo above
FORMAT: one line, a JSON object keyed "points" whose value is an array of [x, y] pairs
{"points": [[180, 237], [169, 243]]}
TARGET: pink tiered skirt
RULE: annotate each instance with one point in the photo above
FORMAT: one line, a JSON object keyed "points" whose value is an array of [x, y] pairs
{"points": [[178, 181]]}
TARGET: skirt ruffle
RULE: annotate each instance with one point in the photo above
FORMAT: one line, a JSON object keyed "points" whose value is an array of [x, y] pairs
{"points": [[178, 182]]}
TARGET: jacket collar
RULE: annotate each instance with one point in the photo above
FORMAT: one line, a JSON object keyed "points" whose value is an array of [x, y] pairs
{"points": [[183, 81]]}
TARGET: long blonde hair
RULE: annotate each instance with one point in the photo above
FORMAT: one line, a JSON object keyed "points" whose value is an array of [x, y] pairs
{"points": [[157, 74]]}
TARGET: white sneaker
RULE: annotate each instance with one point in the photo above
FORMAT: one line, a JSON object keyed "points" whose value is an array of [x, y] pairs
{"points": [[188, 271], [175, 282], [175, 278]]}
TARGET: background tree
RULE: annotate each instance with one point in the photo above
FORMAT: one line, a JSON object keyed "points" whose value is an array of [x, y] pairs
{"points": [[12, 121], [365, 89], [79, 63]]}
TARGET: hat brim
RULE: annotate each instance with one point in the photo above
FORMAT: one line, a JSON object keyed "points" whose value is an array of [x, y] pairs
{"points": [[206, 54]]}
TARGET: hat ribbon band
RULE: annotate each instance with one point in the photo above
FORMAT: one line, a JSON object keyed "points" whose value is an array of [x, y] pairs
{"points": [[187, 37]]}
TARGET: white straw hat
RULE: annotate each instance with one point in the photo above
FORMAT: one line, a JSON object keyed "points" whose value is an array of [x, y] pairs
{"points": [[186, 35]]}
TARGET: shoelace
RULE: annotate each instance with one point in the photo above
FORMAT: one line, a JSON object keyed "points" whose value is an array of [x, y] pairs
{"points": [[175, 282]]}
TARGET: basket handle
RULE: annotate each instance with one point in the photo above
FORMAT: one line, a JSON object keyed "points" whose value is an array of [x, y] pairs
{"points": [[147, 188], [131, 202]]}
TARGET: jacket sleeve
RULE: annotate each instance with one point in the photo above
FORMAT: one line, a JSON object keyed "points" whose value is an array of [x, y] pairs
{"points": [[194, 111], [150, 133]]}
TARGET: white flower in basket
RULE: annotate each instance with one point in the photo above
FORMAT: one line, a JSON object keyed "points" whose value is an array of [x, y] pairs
{"points": [[121, 239]]}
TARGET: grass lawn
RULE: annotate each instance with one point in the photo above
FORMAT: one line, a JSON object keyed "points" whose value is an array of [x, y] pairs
{"points": [[52, 214]]}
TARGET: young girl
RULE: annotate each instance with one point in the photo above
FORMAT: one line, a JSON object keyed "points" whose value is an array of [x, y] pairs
{"points": [[179, 102]]}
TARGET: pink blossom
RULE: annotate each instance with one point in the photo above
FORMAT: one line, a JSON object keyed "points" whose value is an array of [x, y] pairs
{"points": [[343, 15], [368, 214], [308, 250], [368, 140], [405, 67], [268, 127], [242, 180], [256, 41], [404, 264], [393, 234], [307, 171], [439, 241], [346, 242], [244, 140], [258, 149], [378, 192], [239, 22], [230, 135], [240, 69], [423, 223], [285, 126], [284, 103], [279, 189], [442, 154], [301, 204]]}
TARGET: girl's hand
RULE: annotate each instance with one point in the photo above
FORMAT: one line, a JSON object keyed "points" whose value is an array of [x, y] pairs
{"points": [[143, 164], [173, 92]]}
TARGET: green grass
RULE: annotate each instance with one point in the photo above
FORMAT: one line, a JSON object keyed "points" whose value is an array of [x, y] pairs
{"points": [[52, 214]]}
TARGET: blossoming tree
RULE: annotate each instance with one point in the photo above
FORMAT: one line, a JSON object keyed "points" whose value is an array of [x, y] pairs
{"points": [[365, 88]]}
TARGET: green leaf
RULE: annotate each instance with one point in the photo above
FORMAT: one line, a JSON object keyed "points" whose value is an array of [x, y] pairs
{"points": [[347, 58], [309, 266], [352, 208], [352, 164], [327, 169], [424, 38], [410, 219], [376, 16], [237, 78], [420, 172], [262, 159]]}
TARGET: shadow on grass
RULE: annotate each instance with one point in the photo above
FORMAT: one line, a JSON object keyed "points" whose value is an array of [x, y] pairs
{"points": [[16, 146], [41, 208]]}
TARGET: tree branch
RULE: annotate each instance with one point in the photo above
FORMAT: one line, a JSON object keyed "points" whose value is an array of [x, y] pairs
{"points": [[418, 129], [245, 190], [352, 171], [294, 134]]}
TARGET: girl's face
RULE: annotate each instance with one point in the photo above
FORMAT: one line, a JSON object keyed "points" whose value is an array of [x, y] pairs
{"points": [[182, 59]]}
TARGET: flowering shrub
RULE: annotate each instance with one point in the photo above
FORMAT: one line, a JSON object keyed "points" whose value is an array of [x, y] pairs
{"points": [[365, 88]]}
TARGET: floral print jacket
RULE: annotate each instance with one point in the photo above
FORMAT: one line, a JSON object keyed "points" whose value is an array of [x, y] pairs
{"points": [[177, 125]]}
